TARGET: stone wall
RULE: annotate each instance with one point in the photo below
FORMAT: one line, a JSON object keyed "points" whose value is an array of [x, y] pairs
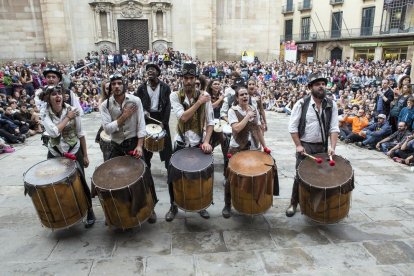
{"points": [[21, 32]]}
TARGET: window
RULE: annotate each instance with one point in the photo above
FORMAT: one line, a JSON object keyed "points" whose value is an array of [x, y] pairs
{"points": [[396, 16], [104, 24], [288, 29], [336, 24], [367, 22], [395, 53], [289, 5], [306, 4], [305, 28], [364, 53]]}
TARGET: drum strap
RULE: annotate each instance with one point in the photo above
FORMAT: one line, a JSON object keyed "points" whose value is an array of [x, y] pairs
{"points": [[321, 121]]}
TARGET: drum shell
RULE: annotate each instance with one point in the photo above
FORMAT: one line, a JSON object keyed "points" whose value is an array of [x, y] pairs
{"points": [[193, 194], [60, 204], [326, 205], [105, 148], [118, 204], [154, 145], [251, 194], [191, 173]]}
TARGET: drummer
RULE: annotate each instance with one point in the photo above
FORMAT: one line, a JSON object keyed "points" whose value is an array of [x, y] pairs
{"points": [[67, 137], [123, 118], [313, 121], [256, 99], [247, 135], [194, 112], [155, 98], [217, 98]]}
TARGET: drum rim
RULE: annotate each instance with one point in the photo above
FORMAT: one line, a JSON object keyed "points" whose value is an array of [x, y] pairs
{"points": [[139, 178], [256, 175], [50, 183], [303, 182], [188, 171]]}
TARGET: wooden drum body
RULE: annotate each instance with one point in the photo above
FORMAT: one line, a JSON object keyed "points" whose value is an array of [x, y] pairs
{"points": [[191, 172], [123, 187], [57, 193], [105, 145], [324, 190], [251, 175], [154, 141]]}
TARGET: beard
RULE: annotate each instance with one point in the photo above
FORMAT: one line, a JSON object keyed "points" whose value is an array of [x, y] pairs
{"points": [[319, 93]]}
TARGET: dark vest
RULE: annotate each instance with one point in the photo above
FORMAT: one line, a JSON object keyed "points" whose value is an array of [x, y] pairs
{"points": [[325, 117]]}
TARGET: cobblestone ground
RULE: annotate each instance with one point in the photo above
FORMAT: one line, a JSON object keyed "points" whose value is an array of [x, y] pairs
{"points": [[375, 239]]}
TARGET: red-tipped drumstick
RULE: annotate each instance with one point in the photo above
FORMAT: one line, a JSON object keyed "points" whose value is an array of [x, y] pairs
{"points": [[132, 152], [317, 159], [267, 150], [331, 161], [229, 155]]}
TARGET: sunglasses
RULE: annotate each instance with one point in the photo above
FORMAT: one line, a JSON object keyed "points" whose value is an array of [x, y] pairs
{"points": [[115, 77], [53, 88], [189, 71]]}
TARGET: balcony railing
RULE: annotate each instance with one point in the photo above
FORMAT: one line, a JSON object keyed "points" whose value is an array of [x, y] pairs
{"points": [[348, 34], [288, 9], [305, 6], [336, 2]]}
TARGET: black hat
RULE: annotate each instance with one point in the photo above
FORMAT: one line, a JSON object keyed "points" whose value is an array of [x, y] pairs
{"points": [[153, 65], [54, 70], [239, 82], [189, 69], [316, 77]]}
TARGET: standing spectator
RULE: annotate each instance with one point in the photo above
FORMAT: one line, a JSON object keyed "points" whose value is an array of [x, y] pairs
{"points": [[384, 98]]}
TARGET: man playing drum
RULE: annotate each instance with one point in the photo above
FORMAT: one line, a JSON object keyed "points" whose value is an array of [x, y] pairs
{"points": [[155, 98], [194, 112], [123, 119], [314, 119]]}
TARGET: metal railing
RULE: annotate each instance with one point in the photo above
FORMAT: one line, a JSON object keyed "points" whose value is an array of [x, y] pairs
{"points": [[305, 5], [288, 9], [348, 33]]}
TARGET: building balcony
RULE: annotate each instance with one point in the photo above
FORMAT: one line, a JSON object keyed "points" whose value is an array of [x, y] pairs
{"points": [[344, 34], [336, 2], [288, 9], [305, 6]]}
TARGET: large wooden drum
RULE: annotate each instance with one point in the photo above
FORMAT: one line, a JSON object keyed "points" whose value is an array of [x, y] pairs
{"points": [[251, 175], [57, 193], [324, 190], [123, 185], [191, 172]]}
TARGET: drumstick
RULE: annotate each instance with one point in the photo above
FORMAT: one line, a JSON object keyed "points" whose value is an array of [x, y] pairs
{"points": [[331, 161], [154, 120], [317, 159]]}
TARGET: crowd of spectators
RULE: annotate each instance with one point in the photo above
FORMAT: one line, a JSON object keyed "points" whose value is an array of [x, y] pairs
{"points": [[374, 98]]}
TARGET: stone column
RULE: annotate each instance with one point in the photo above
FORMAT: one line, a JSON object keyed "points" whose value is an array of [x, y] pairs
{"points": [[56, 28], [154, 23], [109, 24], [169, 31], [378, 53], [164, 24]]}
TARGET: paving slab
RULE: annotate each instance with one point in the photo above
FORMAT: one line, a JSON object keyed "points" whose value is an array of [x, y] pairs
{"points": [[390, 252]]}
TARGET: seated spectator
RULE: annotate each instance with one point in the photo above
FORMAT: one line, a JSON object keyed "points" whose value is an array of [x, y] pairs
{"points": [[29, 117], [9, 131], [5, 148], [405, 153], [21, 125], [358, 123], [407, 114], [375, 132], [394, 139]]}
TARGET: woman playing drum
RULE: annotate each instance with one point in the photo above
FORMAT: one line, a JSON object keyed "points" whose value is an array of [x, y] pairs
{"points": [[247, 134], [67, 138]]}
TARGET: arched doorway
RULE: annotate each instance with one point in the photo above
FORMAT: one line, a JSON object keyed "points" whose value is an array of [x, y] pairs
{"points": [[336, 53]]}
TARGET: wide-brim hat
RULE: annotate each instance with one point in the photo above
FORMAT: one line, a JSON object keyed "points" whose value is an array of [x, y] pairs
{"points": [[153, 65], [315, 78], [189, 69], [54, 70]]}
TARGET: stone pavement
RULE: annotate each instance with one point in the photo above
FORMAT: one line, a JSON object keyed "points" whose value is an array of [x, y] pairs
{"points": [[375, 239]]}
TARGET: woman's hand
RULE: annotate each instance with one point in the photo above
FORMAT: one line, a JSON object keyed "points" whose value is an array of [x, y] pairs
{"points": [[85, 161]]}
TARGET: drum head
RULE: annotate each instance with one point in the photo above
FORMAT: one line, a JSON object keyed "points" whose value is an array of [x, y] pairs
{"points": [[191, 160], [50, 171], [118, 172], [325, 176], [153, 129], [219, 125], [251, 163], [105, 136]]}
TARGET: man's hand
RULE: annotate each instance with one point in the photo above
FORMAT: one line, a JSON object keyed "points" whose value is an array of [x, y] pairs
{"points": [[300, 149], [206, 147], [378, 145], [129, 110], [203, 98], [85, 161], [331, 151]]}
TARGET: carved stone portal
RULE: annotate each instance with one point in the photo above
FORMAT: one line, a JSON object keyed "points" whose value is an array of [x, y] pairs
{"points": [[131, 10]]}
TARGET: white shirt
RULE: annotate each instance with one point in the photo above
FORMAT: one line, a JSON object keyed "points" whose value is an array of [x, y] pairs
{"points": [[191, 138], [312, 130], [233, 119], [134, 126], [154, 96]]}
